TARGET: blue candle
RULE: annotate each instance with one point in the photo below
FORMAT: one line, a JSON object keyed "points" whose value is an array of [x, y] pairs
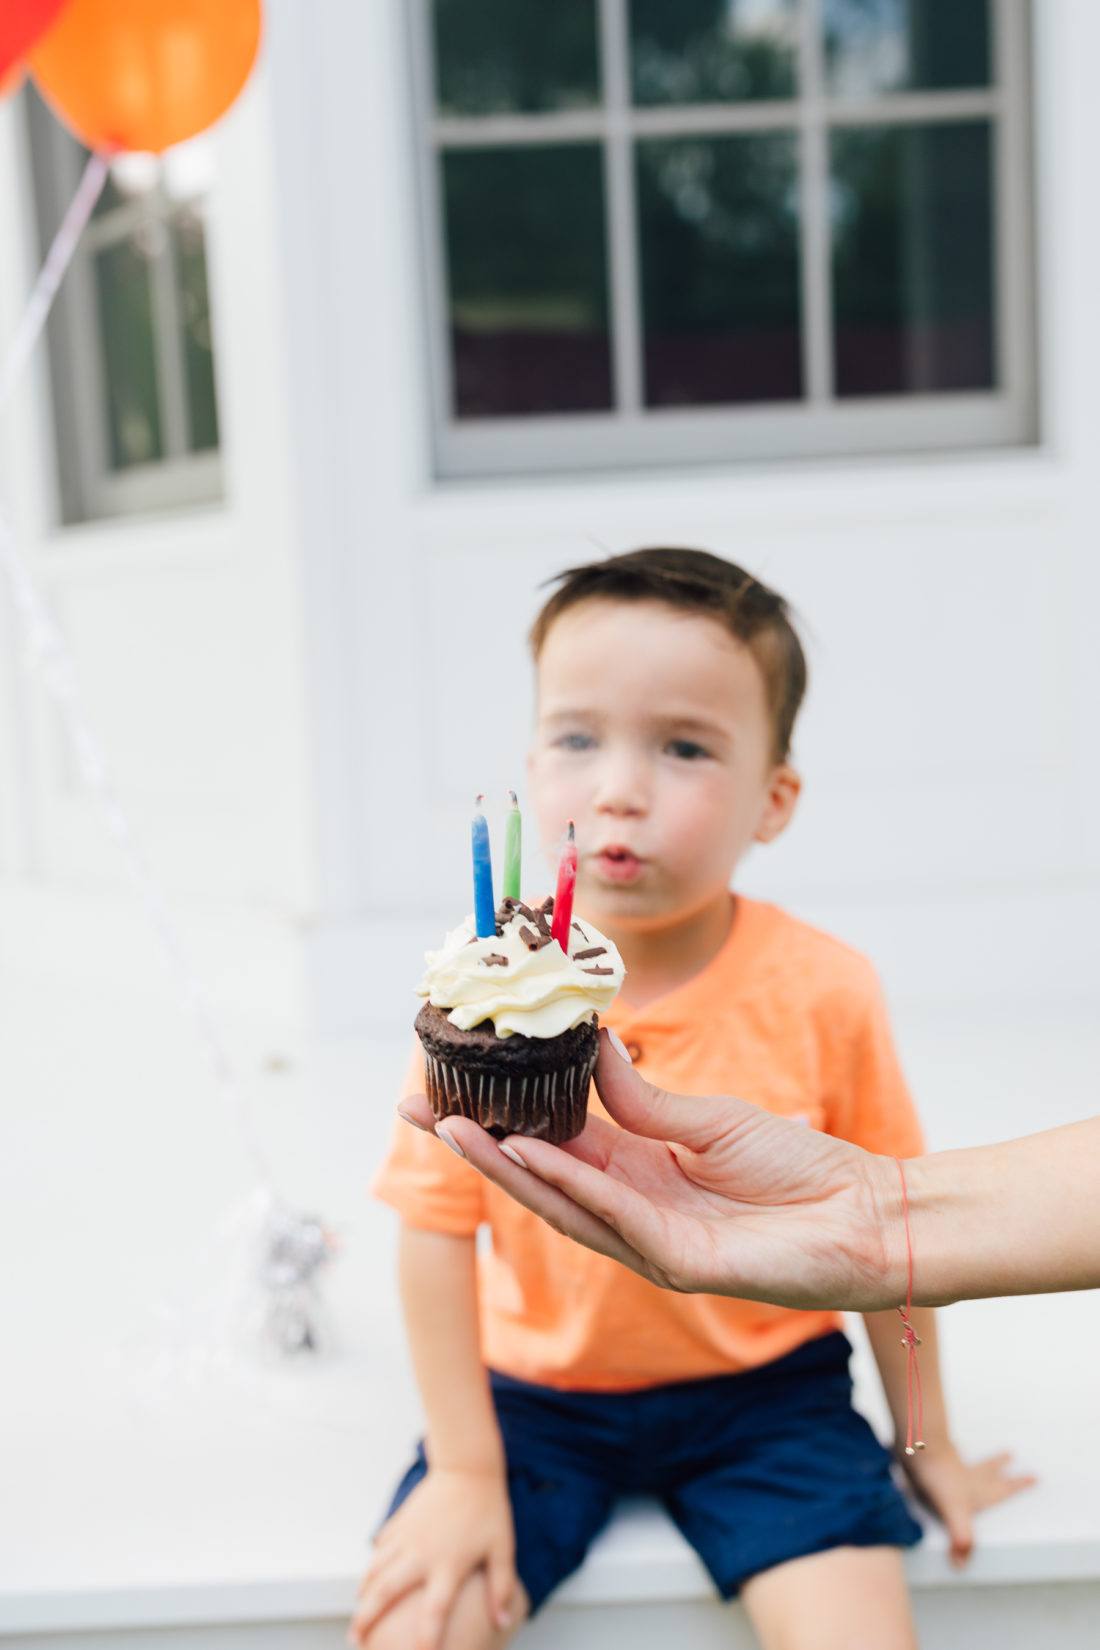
{"points": [[485, 914]]}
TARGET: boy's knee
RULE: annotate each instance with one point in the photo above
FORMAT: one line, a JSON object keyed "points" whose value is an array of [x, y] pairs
{"points": [[397, 1628], [468, 1628]]}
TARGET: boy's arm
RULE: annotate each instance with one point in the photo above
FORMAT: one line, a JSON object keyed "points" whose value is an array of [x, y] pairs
{"points": [[952, 1488], [458, 1519], [438, 1276], [884, 1331]]}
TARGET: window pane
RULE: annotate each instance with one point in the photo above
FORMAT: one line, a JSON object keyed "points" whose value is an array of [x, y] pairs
{"points": [[528, 281], [900, 45], [500, 56], [712, 51], [718, 232], [198, 356], [129, 356], [913, 259]]}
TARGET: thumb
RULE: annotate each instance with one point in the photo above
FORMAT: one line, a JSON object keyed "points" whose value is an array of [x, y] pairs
{"points": [[640, 1108], [500, 1581]]}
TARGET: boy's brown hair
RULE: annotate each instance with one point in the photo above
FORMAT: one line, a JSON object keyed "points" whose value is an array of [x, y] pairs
{"points": [[697, 582]]}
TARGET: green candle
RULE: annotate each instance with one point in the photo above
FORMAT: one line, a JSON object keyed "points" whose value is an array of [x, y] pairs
{"points": [[513, 837]]}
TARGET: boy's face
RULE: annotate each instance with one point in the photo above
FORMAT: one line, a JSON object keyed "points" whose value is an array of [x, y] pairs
{"points": [[652, 734]]}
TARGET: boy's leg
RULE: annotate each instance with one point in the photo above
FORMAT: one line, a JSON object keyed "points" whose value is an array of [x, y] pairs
{"points": [[851, 1598], [469, 1627]]}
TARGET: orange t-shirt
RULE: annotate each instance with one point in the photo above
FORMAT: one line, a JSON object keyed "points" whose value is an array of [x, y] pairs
{"points": [[783, 1016]]}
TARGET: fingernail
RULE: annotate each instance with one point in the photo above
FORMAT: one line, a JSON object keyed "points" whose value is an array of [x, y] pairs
{"points": [[449, 1140], [618, 1045], [416, 1125], [511, 1153]]}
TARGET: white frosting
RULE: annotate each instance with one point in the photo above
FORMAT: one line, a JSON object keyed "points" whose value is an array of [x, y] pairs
{"points": [[536, 993]]}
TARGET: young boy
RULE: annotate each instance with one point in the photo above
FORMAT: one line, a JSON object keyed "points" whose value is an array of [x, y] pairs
{"points": [[555, 1381]]}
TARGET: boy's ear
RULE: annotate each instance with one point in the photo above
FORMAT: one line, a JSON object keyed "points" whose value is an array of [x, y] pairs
{"points": [[784, 788]]}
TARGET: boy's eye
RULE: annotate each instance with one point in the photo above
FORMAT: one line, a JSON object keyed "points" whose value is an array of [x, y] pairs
{"points": [[687, 749], [575, 742]]}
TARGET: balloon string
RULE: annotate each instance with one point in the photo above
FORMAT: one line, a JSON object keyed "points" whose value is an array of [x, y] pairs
{"points": [[47, 645], [52, 272]]}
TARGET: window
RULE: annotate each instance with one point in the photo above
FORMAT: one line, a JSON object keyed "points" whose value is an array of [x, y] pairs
{"points": [[689, 230], [131, 353]]}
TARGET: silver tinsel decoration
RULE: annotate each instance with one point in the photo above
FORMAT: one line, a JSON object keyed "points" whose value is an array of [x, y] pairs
{"points": [[250, 1296], [294, 1248]]}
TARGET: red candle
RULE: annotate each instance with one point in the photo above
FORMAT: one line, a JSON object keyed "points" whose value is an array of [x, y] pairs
{"points": [[563, 894]]}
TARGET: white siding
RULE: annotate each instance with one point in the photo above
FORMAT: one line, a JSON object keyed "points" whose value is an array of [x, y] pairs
{"points": [[185, 627], [950, 745]]}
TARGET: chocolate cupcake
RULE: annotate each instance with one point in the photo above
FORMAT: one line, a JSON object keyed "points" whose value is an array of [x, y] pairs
{"points": [[509, 1030]]}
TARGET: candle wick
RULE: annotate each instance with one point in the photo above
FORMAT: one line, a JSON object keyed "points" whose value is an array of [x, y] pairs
{"points": [[515, 803]]}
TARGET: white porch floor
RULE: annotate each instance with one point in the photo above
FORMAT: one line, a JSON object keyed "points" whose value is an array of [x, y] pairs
{"points": [[136, 1502]]}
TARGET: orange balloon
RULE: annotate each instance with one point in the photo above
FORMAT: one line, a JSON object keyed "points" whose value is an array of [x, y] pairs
{"points": [[144, 74]]}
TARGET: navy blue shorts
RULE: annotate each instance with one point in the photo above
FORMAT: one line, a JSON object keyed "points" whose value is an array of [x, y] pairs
{"points": [[755, 1468]]}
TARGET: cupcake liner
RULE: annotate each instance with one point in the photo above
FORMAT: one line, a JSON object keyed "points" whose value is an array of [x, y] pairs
{"points": [[546, 1105]]}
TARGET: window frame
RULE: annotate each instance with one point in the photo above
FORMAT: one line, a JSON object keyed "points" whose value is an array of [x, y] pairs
{"points": [[818, 426], [89, 489]]}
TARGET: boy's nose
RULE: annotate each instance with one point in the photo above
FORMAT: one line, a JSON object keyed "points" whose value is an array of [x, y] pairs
{"points": [[621, 791]]}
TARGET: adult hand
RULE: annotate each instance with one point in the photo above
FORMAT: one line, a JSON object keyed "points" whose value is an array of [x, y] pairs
{"points": [[705, 1194]]}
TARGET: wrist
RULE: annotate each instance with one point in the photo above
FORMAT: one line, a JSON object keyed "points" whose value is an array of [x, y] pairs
{"points": [[888, 1251], [478, 1460]]}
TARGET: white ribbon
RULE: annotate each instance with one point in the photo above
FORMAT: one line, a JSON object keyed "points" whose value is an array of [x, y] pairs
{"points": [[51, 274], [50, 652]]}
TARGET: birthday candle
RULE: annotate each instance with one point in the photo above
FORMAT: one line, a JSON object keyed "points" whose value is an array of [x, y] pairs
{"points": [[484, 908], [513, 838], [563, 895]]}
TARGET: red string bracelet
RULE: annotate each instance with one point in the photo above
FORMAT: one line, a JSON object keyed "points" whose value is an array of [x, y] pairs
{"points": [[911, 1339]]}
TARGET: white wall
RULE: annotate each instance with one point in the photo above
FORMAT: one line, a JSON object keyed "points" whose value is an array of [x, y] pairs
{"points": [[276, 680], [950, 744], [186, 635]]}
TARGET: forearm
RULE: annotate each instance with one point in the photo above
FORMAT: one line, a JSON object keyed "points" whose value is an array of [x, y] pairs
{"points": [[438, 1276], [1021, 1217], [884, 1331]]}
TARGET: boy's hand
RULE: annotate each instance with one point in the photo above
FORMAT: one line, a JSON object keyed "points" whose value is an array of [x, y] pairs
{"points": [[956, 1489], [452, 1524]]}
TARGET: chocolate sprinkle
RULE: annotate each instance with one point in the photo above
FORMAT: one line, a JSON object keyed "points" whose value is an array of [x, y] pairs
{"points": [[593, 951], [580, 931], [597, 970], [547, 906], [542, 924], [495, 957], [533, 941], [525, 911]]}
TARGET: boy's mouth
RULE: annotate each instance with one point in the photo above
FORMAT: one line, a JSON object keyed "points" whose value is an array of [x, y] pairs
{"points": [[618, 864]]}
